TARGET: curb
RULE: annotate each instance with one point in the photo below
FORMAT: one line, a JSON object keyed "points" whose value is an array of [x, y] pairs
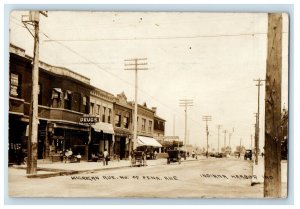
{"points": [[61, 172]]}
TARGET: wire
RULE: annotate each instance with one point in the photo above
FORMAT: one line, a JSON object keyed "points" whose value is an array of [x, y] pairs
{"points": [[158, 38]]}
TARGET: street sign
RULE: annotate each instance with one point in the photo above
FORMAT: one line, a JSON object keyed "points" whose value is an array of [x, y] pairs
{"points": [[89, 120]]}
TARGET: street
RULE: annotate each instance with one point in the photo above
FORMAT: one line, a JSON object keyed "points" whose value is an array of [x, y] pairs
{"points": [[204, 178]]}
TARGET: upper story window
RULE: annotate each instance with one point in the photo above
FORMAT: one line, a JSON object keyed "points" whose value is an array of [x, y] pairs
{"points": [[143, 124], [98, 109], [68, 99], [15, 85], [104, 114], [150, 126], [126, 122], [92, 109], [109, 115], [118, 120], [40, 96], [56, 97]]}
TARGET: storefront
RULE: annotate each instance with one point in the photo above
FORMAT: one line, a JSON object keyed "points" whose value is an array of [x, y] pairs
{"points": [[102, 137], [123, 144], [64, 137]]}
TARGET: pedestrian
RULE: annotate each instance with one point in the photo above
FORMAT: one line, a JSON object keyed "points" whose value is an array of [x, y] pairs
{"points": [[105, 157], [239, 155], [78, 157], [262, 154], [155, 154]]}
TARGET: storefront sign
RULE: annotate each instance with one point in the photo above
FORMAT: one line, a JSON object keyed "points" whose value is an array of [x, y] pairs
{"points": [[89, 120]]}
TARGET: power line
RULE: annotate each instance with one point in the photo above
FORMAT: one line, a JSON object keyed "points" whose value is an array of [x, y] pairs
{"points": [[158, 38]]}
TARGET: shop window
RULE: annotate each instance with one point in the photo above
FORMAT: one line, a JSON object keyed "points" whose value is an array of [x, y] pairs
{"points": [[56, 97], [15, 85]]}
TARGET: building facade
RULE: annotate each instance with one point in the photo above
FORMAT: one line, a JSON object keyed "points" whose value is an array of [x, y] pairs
{"points": [[63, 98], [145, 122], [102, 133], [123, 126]]}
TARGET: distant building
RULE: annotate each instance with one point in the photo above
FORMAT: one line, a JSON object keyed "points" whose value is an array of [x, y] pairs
{"points": [[159, 124]]}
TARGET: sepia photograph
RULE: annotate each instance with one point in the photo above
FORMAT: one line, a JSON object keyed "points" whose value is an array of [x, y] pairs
{"points": [[148, 104]]}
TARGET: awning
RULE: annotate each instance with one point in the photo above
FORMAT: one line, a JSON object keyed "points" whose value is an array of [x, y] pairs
{"points": [[105, 127], [57, 90], [147, 141]]}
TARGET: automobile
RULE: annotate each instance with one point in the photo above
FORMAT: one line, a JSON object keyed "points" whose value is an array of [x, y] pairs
{"points": [[218, 155], [174, 156], [183, 154], [248, 154]]}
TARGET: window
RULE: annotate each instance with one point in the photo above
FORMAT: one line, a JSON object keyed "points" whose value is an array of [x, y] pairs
{"points": [[118, 120], [150, 126], [68, 99], [92, 108], [143, 124], [56, 97], [98, 108], [126, 122], [109, 115], [15, 85], [40, 97], [104, 114]]}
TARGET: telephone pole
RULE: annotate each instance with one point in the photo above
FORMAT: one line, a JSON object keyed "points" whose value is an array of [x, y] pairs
{"points": [[256, 136], [225, 131], [135, 65], [185, 103], [219, 127], [206, 118], [33, 19], [272, 187], [259, 84]]}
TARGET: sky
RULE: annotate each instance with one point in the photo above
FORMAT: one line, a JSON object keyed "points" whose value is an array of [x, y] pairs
{"points": [[210, 58]]}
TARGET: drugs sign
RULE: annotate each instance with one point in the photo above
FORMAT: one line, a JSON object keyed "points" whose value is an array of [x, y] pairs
{"points": [[88, 120]]}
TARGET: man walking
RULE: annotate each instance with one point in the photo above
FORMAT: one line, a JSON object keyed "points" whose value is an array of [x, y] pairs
{"points": [[105, 157]]}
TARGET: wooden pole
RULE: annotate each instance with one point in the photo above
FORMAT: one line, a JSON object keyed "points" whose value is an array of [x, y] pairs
{"points": [[33, 115], [272, 183]]}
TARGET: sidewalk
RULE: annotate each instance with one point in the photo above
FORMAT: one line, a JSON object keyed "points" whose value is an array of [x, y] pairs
{"points": [[48, 169], [258, 170]]}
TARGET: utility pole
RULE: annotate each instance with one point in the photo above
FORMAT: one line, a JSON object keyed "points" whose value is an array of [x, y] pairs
{"points": [[256, 136], [225, 131], [272, 187], [33, 19], [219, 127], [229, 136], [251, 142], [206, 118], [259, 84], [185, 103], [136, 66]]}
